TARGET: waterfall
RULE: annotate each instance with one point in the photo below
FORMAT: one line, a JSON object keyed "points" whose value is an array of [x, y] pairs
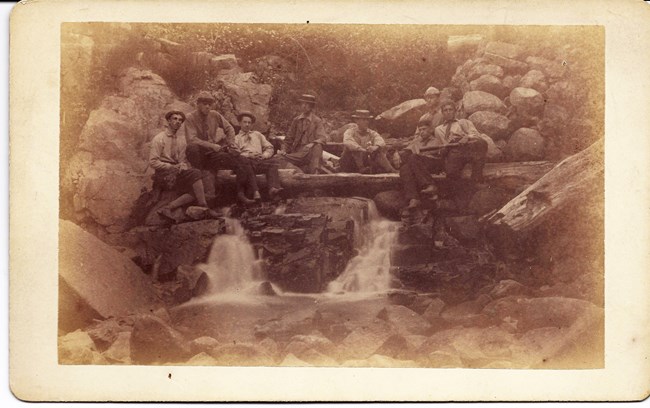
{"points": [[231, 266], [370, 270]]}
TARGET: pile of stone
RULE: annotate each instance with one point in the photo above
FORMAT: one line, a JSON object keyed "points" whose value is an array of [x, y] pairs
{"points": [[526, 103]]}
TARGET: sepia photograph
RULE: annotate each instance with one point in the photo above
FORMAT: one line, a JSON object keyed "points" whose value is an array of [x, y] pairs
{"points": [[329, 194]]}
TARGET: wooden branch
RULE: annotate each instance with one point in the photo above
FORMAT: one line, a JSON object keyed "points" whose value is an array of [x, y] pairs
{"points": [[568, 182]]}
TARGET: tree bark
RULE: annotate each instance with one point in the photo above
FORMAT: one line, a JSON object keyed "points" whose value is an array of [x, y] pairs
{"points": [[573, 179], [513, 176]]}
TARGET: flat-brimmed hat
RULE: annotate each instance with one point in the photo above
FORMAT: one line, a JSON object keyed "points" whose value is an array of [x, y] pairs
{"points": [[204, 95], [174, 112], [246, 113], [361, 114], [307, 98], [432, 91]]}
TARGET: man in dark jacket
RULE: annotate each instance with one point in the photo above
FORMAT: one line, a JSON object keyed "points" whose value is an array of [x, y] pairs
{"points": [[303, 145]]}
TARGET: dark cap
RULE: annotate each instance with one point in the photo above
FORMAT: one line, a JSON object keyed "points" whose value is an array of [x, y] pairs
{"points": [[174, 112], [246, 113]]}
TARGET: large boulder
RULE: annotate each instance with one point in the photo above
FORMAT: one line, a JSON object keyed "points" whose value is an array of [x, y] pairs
{"points": [[527, 100], [95, 277], [489, 84], [246, 94], [108, 172], [534, 79], [525, 144], [511, 81], [502, 49], [404, 320], [390, 203], [475, 101], [554, 69], [155, 342], [484, 69], [78, 348], [492, 124], [401, 120]]}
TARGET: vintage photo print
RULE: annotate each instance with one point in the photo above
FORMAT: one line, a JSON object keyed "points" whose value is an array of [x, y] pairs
{"points": [[265, 195]]}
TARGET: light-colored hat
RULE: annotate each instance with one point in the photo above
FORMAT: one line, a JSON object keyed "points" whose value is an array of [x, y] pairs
{"points": [[246, 113], [361, 114], [205, 95], [432, 91], [307, 98]]}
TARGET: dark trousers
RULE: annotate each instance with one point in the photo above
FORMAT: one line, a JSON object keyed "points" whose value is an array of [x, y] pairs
{"points": [[308, 158], [363, 162], [269, 167], [472, 153], [415, 173], [204, 158]]}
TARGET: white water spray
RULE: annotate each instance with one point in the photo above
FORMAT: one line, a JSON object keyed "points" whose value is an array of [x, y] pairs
{"points": [[231, 265], [370, 270]]}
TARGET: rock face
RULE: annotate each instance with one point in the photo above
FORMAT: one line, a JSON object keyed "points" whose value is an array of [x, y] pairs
{"points": [[97, 279], [107, 175], [489, 84], [247, 95], [525, 144], [475, 101], [154, 341], [492, 124]]}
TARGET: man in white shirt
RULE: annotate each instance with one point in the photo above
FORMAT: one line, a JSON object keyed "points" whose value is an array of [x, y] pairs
{"points": [[253, 146], [172, 170], [364, 150]]}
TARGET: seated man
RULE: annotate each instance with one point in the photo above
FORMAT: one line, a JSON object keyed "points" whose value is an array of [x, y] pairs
{"points": [[172, 171], [417, 165], [364, 151], [208, 149], [259, 151], [469, 146], [432, 99], [303, 145]]}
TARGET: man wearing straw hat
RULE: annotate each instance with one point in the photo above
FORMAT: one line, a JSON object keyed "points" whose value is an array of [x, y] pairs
{"points": [[303, 145], [364, 150], [211, 149]]}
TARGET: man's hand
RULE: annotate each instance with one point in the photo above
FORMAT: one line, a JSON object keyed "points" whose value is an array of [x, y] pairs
{"points": [[258, 156], [183, 166], [216, 148], [372, 149]]}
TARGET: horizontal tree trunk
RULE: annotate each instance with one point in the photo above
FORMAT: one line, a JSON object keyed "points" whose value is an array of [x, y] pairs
{"points": [[512, 176], [573, 179]]}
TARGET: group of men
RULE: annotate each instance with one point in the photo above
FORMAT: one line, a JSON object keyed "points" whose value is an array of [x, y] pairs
{"points": [[205, 140]]}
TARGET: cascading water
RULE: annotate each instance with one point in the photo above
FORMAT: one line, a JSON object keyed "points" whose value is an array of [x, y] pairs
{"points": [[370, 270], [231, 265]]}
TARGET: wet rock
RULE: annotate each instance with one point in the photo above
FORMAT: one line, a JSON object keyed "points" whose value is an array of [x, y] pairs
{"points": [[202, 359], [444, 359], [312, 341], [432, 312], [484, 69], [120, 351], [525, 144], [98, 280], [240, 355], [465, 228], [193, 278], [488, 199], [480, 344], [534, 79], [475, 101], [154, 342], [404, 320], [203, 344], [542, 312], [292, 361], [492, 124], [401, 297], [527, 99], [105, 332], [196, 213], [363, 341], [396, 346], [489, 84], [390, 203], [78, 348], [380, 362], [406, 255], [509, 287]]}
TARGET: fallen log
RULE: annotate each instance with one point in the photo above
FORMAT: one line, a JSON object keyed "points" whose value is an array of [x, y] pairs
{"points": [[568, 182], [512, 176]]}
